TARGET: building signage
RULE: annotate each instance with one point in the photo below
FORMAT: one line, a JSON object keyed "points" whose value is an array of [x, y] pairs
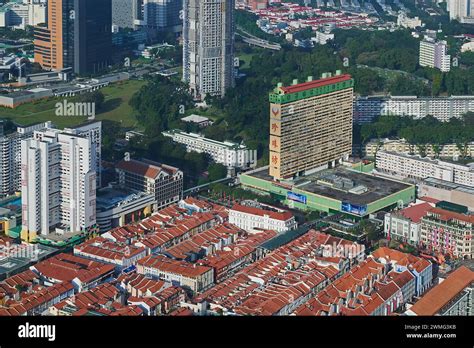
{"points": [[296, 197], [354, 208]]}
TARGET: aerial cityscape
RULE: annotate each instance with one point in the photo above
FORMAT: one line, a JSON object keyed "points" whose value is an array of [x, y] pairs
{"points": [[236, 158]]}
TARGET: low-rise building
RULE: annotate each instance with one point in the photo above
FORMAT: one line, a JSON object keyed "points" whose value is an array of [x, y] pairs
{"points": [[103, 250], [195, 205], [117, 206], [38, 302], [151, 306], [452, 296], [150, 52], [227, 262], [419, 168], [166, 230], [263, 217], [140, 286], [380, 285], [198, 120], [345, 190], [100, 300], [227, 153], [12, 100], [193, 277], [322, 38], [285, 278], [364, 290], [227, 257], [404, 225], [447, 191], [83, 274], [133, 134], [368, 108], [430, 150], [468, 47], [398, 261], [8, 62], [406, 22], [257, 4], [15, 258], [163, 181], [205, 243], [448, 232]]}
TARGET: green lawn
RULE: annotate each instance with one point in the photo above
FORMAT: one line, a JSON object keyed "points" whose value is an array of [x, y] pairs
{"points": [[115, 108], [245, 59]]}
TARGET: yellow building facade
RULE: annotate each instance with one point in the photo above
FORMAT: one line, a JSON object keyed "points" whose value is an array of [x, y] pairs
{"points": [[310, 125]]}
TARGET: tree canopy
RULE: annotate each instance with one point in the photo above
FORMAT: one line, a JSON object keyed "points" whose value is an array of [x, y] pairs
{"points": [[160, 104], [427, 130]]}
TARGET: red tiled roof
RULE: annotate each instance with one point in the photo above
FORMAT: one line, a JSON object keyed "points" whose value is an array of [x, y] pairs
{"points": [[441, 294], [106, 249], [182, 311], [373, 303], [45, 294], [315, 84], [150, 301], [447, 215], [65, 267], [142, 283], [6, 289], [4, 240], [365, 298], [402, 278], [165, 264], [140, 168], [387, 290], [23, 278], [222, 233], [198, 203], [94, 297], [401, 258], [416, 212], [127, 311], [429, 199]]}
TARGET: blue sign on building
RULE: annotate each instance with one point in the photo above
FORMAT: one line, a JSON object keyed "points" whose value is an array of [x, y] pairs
{"points": [[296, 197], [354, 208]]}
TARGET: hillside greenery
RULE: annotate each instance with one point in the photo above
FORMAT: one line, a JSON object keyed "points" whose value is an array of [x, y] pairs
{"points": [[379, 61]]}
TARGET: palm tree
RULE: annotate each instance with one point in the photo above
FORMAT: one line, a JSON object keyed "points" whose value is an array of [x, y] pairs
{"points": [[463, 148], [421, 149], [436, 149]]}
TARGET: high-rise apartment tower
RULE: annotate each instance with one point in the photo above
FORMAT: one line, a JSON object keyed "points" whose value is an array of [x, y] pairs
{"points": [[208, 61], [310, 125], [58, 183]]}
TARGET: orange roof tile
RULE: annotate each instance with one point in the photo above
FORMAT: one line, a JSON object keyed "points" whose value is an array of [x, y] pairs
{"points": [[441, 294], [140, 168], [447, 215], [415, 212]]}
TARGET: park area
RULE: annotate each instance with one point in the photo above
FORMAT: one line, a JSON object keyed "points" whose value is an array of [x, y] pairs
{"points": [[115, 108]]}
